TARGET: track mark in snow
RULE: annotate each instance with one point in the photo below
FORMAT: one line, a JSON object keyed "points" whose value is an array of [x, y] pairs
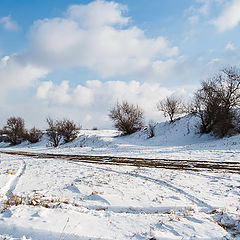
{"points": [[190, 197], [7, 190]]}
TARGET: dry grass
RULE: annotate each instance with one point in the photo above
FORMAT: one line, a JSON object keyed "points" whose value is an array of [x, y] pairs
{"points": [[9, 171], [35, 200], [187, 211]]}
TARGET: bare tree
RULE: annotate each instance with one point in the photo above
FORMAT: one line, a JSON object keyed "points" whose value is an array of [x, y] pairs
{"points": [[34, 135], [15, 130], [127, 118], [58, 130], [67, 129], [215, 103], [151, 128], [171, 107], [53, 132]]}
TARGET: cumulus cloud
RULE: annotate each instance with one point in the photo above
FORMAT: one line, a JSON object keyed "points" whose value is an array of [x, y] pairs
{"points": [[98, 13], [229, 18], [97, 36], [98, 97], [8, 24], [17, 74], [100, 37], [93, 36]]}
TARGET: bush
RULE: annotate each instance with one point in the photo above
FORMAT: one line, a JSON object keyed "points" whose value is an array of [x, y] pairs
{"points": [[151, 128], [34, 135], [67, 129], [171, 107], [216, 103], [61, 129], [127, 118], [53, 132], [15, 130]]}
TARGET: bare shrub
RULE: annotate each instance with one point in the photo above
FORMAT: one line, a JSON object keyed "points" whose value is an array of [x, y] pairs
{"points": [[15, 130], [58, 130], [53, 132], [215, 103], [151, 128], [171, 107], [67, 129], [127, 118], [34, 135]]}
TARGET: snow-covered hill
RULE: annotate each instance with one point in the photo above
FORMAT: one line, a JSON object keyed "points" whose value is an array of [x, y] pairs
{"points": [[178, 140], [58, 199]]}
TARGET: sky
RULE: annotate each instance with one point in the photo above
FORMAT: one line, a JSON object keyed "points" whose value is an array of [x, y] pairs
{"points": [[76, 58]]}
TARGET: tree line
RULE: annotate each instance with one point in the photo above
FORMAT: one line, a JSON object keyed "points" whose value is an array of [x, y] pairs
{"points": [[216, 103], [64, 130]]}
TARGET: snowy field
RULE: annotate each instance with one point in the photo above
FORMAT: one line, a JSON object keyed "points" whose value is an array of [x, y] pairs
{"points": [[53, 199], [172, 141]]}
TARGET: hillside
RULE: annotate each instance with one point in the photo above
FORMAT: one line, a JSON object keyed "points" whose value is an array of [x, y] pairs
{"points": [[178, 140]]}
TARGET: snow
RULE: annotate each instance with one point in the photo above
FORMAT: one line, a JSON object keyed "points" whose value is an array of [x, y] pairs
{"points": [[171, 141], [58, 199]]}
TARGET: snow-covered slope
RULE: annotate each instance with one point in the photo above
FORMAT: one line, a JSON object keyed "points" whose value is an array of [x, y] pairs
{"points": [[58, 199], [178, 140]]}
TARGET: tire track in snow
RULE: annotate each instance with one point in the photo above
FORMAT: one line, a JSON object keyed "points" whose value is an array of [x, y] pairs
{"points": [[192, 165], [165, 184], [7, 190]]}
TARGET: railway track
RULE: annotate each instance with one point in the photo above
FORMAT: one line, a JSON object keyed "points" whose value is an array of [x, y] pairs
{"points": [[233, 167]]}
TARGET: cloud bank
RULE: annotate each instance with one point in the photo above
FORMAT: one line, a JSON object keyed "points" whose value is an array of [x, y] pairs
{"points": [[95, 98]]}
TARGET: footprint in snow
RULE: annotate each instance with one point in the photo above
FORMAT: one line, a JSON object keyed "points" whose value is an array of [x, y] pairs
{"points": [[73, 189], [96, 197], [7, 213]]}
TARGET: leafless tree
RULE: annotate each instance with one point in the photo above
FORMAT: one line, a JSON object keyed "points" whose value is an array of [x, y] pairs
{"points": [[151, 128], [15, 130], [127, 118], [67, 129], [34, 135], [215, 103], [171, 107], [58, 130], [53, 132]]}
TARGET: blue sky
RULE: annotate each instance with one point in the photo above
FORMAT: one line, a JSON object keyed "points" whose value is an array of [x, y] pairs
{"points": [[72, 58]]}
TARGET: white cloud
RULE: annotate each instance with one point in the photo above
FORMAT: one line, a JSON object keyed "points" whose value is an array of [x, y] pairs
{"points": [[96, 36], [94, 98], [197, 12], [17, 74], [100, 37], [229, 17], [44, 89], [205, 7], [193, 19], [98, 13], [82, 96], [8, 24], [60, 94], [214, 61], [201, 10], [230, 46], [91, 36]]}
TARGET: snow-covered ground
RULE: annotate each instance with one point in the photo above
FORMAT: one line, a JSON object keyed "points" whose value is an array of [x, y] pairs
{"points": [[172, 141], [48, 199]]}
